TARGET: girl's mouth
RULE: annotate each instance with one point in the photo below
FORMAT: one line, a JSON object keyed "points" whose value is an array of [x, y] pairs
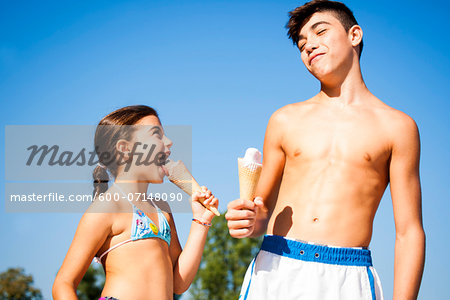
{"points": [[165, 170]]}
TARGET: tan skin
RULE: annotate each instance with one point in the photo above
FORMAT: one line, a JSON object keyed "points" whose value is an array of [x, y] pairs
{"points": [[143, 269], [328, 160]]}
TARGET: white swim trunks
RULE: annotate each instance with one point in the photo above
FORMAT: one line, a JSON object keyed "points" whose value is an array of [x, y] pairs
{"points": [[287, 269]]}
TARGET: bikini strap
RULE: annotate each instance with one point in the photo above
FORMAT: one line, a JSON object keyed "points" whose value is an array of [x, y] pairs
{"points": [[99, 259], [158, 210]]}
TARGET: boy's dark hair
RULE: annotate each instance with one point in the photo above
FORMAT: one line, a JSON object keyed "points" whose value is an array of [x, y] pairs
{"points": [[300, 15]]}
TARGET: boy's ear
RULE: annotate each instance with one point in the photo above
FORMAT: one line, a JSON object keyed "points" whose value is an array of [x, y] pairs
{"points": [[356, 34]]}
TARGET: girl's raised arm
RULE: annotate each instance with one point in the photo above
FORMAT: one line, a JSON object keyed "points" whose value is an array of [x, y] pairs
{"points": [[187, 261]]}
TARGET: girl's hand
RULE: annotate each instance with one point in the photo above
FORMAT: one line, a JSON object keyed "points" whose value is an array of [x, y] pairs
{"points": [[199, 211]]}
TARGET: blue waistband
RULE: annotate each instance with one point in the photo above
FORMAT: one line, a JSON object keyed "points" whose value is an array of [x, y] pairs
{"points": [[317, 253]]}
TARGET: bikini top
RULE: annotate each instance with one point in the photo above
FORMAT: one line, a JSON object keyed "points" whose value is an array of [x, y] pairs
{"points": [[142, 227]]}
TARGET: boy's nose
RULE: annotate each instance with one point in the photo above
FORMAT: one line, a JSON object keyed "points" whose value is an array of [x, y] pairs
{"points": [[310, 47]]}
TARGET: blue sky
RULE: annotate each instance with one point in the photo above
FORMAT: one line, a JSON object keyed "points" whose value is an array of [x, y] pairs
{"points": [[223, 67]]}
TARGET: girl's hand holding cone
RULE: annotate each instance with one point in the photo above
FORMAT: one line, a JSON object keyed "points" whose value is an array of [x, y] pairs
{"points": [[199, 209]]}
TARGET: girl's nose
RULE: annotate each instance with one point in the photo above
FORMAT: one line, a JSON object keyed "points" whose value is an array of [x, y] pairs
{"points": [[168, 142]]}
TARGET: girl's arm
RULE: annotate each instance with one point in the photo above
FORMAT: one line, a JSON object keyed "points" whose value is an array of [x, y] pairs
{"points": [[91, 233], [187, 261]]}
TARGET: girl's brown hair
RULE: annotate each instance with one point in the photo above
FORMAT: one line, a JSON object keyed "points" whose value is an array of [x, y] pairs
{"points": [[111, 129]]}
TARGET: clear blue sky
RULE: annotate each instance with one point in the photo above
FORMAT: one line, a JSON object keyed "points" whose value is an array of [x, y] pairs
{"points": [[223, 67]]}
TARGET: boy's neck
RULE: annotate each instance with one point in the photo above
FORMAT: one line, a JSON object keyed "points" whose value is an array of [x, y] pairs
{"points": [[351, 89]]}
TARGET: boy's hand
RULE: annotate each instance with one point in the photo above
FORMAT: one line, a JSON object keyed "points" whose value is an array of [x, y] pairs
{"points": [[241, 216]]}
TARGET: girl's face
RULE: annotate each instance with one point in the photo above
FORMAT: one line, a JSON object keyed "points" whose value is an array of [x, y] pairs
{"points": [[149, 148]]}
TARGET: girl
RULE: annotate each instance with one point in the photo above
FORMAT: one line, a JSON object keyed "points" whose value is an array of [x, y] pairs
{"points": [[136, 241]]}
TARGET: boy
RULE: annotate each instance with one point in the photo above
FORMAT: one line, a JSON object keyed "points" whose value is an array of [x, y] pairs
{"points": [[327, 162]]}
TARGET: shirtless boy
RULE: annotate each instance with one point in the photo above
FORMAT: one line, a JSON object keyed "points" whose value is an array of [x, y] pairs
{"points": [[327, 162]]}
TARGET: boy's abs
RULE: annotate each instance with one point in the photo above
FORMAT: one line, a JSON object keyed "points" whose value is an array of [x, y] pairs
{"points": [[332, 204]]}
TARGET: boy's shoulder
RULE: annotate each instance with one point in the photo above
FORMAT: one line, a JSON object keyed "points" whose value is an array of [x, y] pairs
{"points": [[385, 115], [392, 116], [288, 111], [396, 124]]}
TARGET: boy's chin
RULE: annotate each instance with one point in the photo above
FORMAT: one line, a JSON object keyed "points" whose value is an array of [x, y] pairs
{"points": [[320, 73]]}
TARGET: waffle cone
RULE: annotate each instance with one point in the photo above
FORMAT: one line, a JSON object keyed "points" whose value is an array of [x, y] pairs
{"points": [[248, 179], [182, 178]]}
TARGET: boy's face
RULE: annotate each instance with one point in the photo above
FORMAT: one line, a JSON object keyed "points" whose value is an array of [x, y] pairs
{"points": [[325, 46]]}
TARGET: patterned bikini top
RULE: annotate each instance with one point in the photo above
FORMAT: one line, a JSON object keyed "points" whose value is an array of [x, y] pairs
{"points": [[142, 227]]}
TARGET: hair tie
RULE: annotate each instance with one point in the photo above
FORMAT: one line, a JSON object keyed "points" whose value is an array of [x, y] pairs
{"points": [[102, 165], [107, 171]]}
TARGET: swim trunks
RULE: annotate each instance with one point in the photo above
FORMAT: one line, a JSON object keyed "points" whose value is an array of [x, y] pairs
{"points": [[290, 269]]}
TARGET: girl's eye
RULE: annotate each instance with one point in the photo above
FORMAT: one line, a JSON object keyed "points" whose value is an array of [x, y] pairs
{"points": [[157, 133], [302, 47], [321, 31]]}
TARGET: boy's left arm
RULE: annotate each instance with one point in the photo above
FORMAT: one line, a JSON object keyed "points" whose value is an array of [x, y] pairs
{"points": [[407, 205]]}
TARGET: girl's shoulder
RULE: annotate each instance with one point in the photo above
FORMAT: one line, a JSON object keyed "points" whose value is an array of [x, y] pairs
{"points": [[110, 201], [165, 208], [103, 212]]}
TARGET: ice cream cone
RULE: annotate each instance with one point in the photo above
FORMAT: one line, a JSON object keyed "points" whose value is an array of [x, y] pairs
{"points": [[182, 178], [248, 178]]}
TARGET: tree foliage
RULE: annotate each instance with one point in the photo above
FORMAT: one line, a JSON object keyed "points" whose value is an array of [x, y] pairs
{"points": [[91, 285], [224, 263], [15, 284]]}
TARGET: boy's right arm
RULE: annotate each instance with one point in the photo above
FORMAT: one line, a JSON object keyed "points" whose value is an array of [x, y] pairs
{"points": [[247, 218]]}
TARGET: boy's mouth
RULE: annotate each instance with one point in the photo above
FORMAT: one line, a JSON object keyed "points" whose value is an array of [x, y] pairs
{"points": [[316, 56]]}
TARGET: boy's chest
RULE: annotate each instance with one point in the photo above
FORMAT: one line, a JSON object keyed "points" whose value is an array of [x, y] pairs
{"points": [[354, 138]]}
